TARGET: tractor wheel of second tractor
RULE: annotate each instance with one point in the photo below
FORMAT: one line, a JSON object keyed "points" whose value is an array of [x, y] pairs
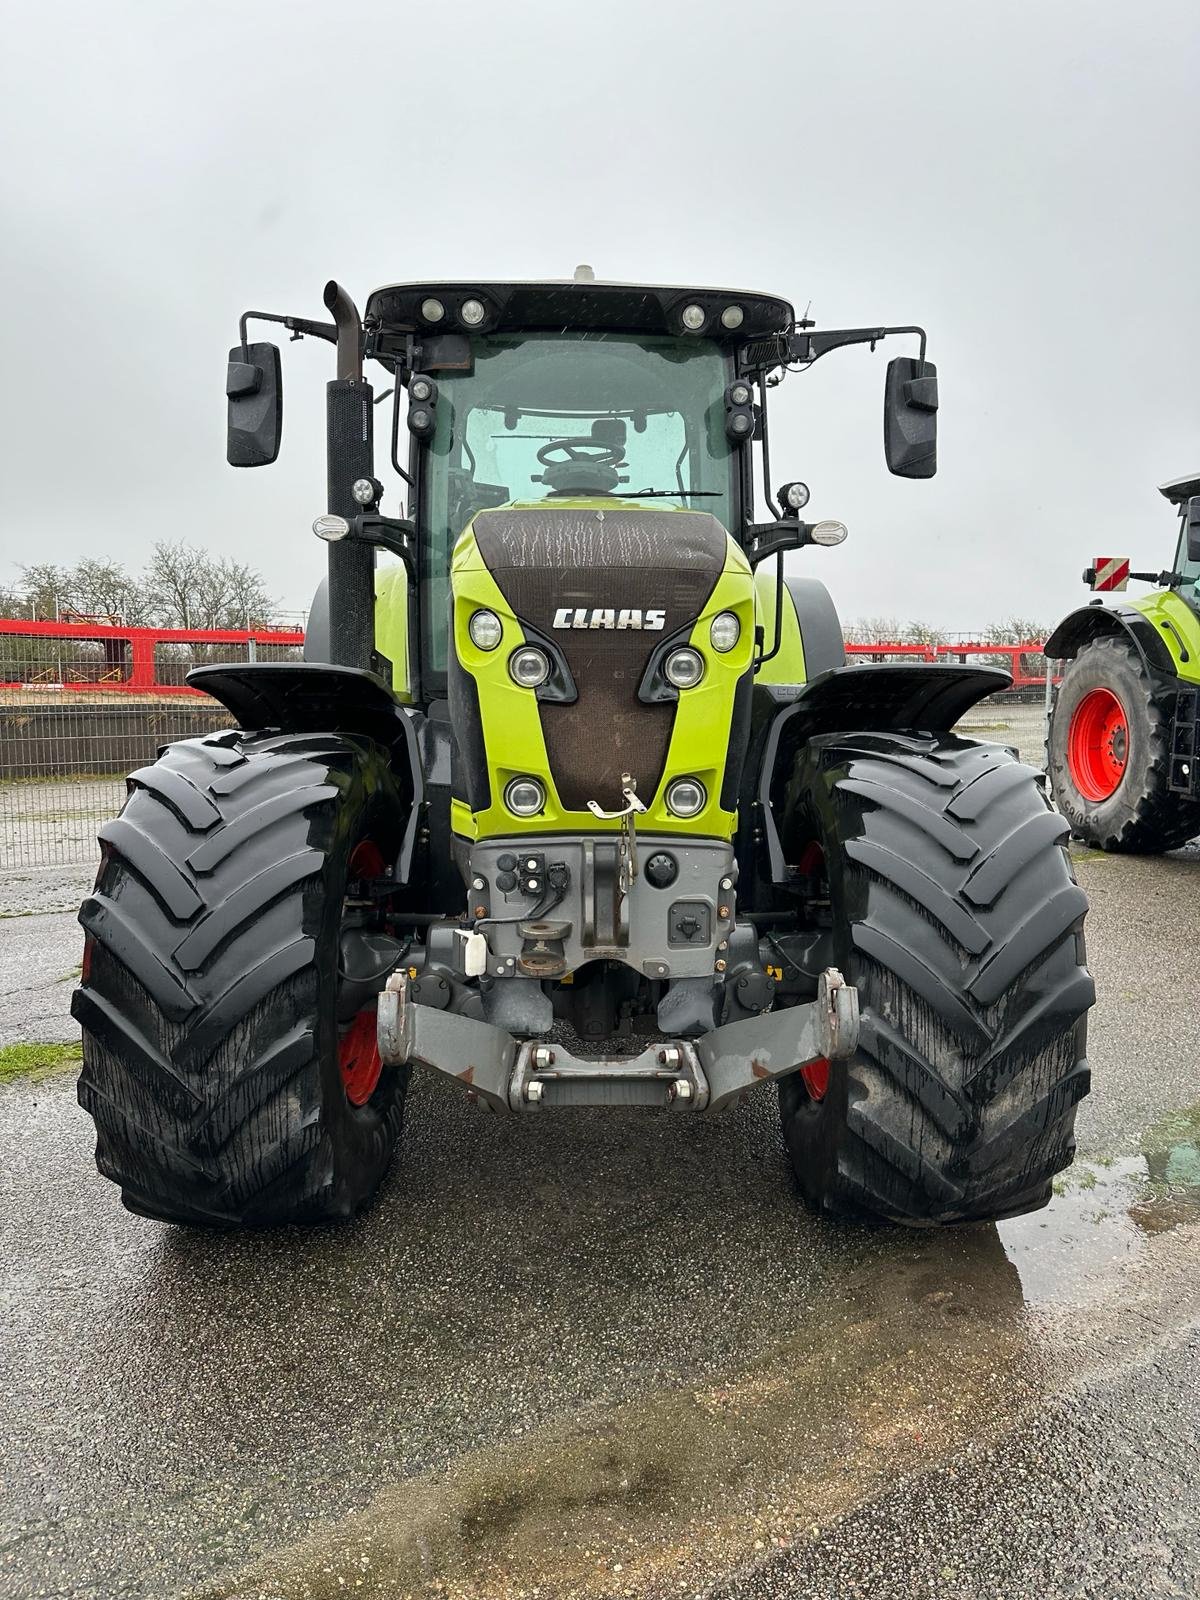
{"points": [[941, 875], [1109, 753]]}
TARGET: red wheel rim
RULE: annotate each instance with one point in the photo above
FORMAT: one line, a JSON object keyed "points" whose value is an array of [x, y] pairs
{"points": [[359, 1059], [1098, 745], [366, 860], [816, 1073], [816, 1078]]}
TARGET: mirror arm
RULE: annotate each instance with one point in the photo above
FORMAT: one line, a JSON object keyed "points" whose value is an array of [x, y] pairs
{"points": [[298, 326], [809, 347]]}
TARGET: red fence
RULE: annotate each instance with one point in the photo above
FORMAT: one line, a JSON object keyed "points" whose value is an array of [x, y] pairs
{"points": [[1024, 661], [96, 657], [99, 657]]}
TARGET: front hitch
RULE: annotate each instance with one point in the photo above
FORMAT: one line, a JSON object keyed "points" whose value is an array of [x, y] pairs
{"points": [[705, 1074]]}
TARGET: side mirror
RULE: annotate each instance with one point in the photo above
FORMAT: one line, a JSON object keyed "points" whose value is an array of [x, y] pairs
{"points": [[1193, 528], [254, 387], [910, 404]]}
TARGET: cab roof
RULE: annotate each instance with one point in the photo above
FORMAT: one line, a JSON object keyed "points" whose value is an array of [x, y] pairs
{"points": [[583, 303]]}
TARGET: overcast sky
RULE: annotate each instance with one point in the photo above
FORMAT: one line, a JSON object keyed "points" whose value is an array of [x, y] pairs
{"points": [[1021, 178]]}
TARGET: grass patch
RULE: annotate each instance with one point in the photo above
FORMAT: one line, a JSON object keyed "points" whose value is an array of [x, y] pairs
{"points": [[34, 1062]]}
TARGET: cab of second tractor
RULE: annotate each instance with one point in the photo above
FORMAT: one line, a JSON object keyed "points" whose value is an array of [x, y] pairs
{"points": [[1123, 744], [575, 798]]}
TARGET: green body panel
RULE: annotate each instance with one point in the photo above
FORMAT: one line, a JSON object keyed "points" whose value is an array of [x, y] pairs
{"points": [[512, 729], [788, 665], [1176, 623], [391, 624]]}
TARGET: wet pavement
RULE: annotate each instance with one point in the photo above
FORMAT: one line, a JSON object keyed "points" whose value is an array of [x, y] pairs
{"points": [[607, 1354]]}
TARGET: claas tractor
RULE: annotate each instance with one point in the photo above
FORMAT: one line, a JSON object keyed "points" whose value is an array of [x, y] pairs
{"points": [[575, 801], [1123, 746]]}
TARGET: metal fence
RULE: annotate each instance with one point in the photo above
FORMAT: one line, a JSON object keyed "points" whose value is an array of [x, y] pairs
{"points": [[82, 704]]}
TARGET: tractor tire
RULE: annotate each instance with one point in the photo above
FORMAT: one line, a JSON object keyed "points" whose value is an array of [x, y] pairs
{"points": [[1109, 753], [949, 900], [224, 1088]]}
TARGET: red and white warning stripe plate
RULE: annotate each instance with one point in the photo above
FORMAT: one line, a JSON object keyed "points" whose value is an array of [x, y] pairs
{"points": [[1112, 572]]}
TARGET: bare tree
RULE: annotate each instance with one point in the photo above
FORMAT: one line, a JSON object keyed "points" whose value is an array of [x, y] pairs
{"points": [[188, 588], [869, 630]]}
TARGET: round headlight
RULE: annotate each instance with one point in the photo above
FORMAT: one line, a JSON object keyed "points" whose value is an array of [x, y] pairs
{"points": [[732, 317], [363, 491], [827, 532], [524, 797], [472, 312], [740, 423], [794, 496], [686, 797], [420, 388], [725, 631], [485, 629], [529, 666], [432, 310], [684, 668], [693, 318], [740, 393]]}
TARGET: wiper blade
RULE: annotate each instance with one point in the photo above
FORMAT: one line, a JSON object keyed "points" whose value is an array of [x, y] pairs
{"points": [[669, 494]]}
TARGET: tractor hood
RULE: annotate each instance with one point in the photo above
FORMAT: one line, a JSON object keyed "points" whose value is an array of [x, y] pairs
{"points": [[606, 589]]}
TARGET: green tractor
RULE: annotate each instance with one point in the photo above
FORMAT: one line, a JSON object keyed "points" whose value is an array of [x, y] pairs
{"points": [[1123, 746], [575, 800]]}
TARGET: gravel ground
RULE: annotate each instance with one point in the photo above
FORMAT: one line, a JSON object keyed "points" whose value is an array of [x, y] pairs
{"points": [[604, 1354]]}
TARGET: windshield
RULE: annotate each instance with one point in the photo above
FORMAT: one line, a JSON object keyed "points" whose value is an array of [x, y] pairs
{"points": [[1189, 571], [546, 416]]}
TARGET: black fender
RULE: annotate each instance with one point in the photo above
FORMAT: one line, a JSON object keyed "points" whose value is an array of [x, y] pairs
{"points": [[314, 697], [865, 698], [1105, 622], [820, 625]]}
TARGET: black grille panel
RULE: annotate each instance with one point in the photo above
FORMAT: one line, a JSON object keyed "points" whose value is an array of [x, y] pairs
{"points": [[545, 559]]}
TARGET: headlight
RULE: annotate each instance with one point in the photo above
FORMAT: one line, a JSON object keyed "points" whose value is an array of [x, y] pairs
{"points": [[485, 629], [732, 317], [693, 318], [684, 668], [725, 631], [432, 310], [529, 666], [331, 528], [472, 312], [524, 797], [686, 797], [827, 532]]}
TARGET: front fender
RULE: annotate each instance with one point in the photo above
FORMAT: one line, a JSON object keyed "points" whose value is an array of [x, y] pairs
{"points": [[312, 697], [863, 699], [1091, 622]]}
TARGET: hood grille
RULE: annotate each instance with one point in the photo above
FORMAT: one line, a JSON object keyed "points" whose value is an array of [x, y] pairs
{"points": [[545, 559]]}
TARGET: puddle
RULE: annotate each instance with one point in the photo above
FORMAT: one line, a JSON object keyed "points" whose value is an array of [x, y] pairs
{"points": [[1103, 1213]]}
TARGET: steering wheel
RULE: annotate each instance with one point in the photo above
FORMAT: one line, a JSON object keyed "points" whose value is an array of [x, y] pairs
{"points": [[584, 466], [582, 451]]}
